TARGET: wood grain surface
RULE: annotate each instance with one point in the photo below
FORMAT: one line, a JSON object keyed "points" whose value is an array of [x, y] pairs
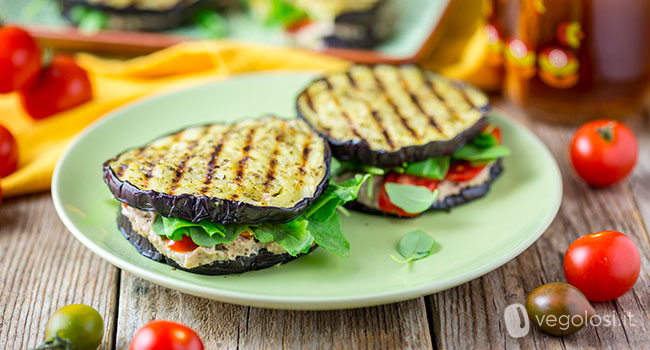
{"points": [[42, 268]]}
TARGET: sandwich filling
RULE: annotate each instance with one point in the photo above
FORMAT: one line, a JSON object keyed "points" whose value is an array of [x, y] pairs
{"points": [[433, 183], [193, 255], [151, 5]]}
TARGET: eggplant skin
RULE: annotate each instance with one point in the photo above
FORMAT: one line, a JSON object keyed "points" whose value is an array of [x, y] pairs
{"points": [[465, 196], [361, 149], [196, 208], [370, 22], [261, 260], [134, 19]]}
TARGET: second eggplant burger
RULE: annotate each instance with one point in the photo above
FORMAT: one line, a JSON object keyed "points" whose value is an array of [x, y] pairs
{"points": [[425, 140], [220, 199]]}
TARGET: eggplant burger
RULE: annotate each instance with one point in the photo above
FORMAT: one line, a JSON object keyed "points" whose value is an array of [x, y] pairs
{"points": [[425, 140], [150, 15], [336, 23], [220, 199]]}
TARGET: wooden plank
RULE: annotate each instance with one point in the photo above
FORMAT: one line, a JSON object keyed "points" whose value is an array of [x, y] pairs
{"points": [[471, 315], [225, 326], [43, 268]]}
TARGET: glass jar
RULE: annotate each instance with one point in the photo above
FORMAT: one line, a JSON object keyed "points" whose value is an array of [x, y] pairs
{"points": [[569, 61]]}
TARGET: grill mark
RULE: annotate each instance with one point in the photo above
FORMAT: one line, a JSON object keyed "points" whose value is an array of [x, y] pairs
{"points": [[391, 103], [351, 79], [375, 116], [148, 173], [212, 163], [306, 150], [416, 101], [310, 102], [450, 110], [180, 171], [241, 163], [273, 163], [345, 114], [463, 93]]}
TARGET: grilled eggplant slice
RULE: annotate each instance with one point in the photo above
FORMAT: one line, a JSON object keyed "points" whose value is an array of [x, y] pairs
{"points": [[261, 260], [387, 115], [128, 15], [466, 194], [267, 169]]}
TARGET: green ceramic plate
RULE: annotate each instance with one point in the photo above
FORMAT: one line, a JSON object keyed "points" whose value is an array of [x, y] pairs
{"points": [[472, 240]]}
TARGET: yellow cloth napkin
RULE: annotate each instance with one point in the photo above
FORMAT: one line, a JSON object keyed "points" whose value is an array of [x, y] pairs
{"points": [[116, 82]]}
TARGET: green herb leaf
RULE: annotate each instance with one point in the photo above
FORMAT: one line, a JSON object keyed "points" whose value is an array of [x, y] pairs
{"points": [[174, 228], [431, 168], [211, 23], [410, 198], [414, 246], [485, 140], [91, 21], [284, 14], [335, 195], [291, 236], [473, 153], [329, 236]]}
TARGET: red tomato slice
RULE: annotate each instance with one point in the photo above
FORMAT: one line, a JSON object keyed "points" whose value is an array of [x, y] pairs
{"points": [[384, 202], [297, 26], [462, 170], [185, 245], [495, 131]]}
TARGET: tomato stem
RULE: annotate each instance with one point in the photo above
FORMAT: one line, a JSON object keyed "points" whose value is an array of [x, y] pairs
{"points": [[55, 343], [607, 132]]}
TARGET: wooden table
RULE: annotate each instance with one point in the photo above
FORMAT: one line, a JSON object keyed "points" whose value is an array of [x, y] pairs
{"points": [[42, 268]]}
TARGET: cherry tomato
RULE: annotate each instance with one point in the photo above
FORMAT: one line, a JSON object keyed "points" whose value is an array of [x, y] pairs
{"points": [[183, 246], [603, 152], [384, 202], [20, 59], [549, 304], [8, 152], [603, 265], [79, 324], [60, 86], [166, 335]]}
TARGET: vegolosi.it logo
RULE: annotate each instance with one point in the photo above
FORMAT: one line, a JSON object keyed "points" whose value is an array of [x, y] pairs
{"points": [[518, 322]]}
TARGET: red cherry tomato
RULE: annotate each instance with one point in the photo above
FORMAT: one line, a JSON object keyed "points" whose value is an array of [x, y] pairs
{"points": [[8, 152], [166, 335], [461, 170], [384, 202], [60, 86], [20, 59], [183, 246], [603, 152], [603, 265]]}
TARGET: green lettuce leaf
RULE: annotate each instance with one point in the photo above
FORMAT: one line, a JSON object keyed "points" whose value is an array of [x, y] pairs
{"points": [[201, 237], [335, 195], [284, 14], [291, 236], [410, 198], [329, 236]]}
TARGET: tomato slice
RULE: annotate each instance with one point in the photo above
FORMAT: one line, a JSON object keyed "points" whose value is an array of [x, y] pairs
{"points": [[385, 204], [297, 26], [185, 245], [462, 170], [494, 130]]}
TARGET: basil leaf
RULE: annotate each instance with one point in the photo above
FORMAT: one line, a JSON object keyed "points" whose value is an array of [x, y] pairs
{"points": [[410, 198], [414, 246], [335, 195], [484, 140], [473, 153], [284, 14], [291, 236], [329, 236], [431, 168], [211, 24], [91, 21], [354, 165], [200, 237]]}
